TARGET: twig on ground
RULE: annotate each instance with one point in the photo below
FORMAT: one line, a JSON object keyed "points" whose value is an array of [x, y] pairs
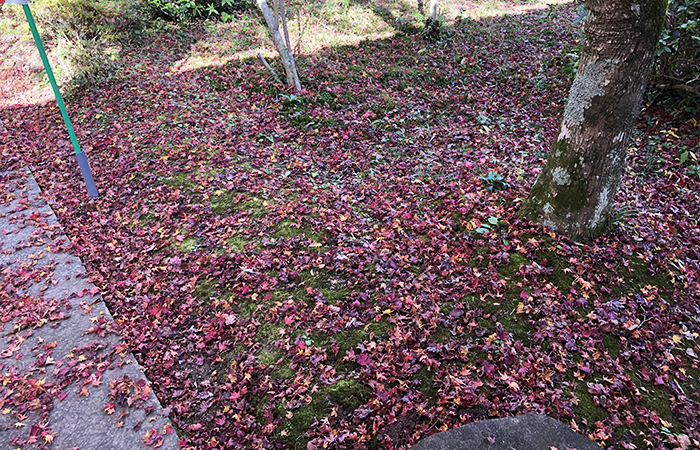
{"points": [[269, 67]]}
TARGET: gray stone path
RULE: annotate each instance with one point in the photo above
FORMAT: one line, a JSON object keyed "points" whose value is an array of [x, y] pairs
{"points": [[60, 355], [526, 432]]}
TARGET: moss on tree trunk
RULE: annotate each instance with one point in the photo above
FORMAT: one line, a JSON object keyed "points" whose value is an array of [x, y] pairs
{"points": [[575, 191]]}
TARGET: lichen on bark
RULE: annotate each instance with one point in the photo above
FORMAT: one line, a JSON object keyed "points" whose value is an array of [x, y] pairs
{"points": [[586, 87]]}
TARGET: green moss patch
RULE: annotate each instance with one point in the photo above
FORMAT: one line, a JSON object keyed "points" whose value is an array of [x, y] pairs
{"points": [[586, 405], [341, 398], [188, 244], [634, 275], [147, 218], [236, 243], [206, 289]]}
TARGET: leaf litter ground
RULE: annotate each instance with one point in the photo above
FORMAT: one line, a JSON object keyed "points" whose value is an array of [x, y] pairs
{"points": [[339, 269]]}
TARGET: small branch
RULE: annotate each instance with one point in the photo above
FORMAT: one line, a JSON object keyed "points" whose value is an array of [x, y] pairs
{"points": [[686, 88], [644, 320], [693, 62], [680, 87], [269, 67], [283, 16]]}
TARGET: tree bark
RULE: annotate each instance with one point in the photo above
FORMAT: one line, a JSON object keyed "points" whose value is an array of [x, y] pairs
{"points": [[574, 193], [285, 53]]}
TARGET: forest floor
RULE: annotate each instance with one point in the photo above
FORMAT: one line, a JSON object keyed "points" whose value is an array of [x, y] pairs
{"points": [[345, 267]]}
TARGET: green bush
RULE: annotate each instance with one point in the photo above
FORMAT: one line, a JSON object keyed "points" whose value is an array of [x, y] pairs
{"points": [[188, 10], [74, 20], [679, 50], [85, 37]]}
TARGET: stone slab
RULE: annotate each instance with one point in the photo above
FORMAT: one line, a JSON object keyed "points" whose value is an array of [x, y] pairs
{"points": [[77, 333], [529, 431]]}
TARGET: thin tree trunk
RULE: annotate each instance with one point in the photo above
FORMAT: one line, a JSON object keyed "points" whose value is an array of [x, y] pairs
{"points": [[283, 15], [574, 193], [285, 53], [433, 27], [433, 7]]}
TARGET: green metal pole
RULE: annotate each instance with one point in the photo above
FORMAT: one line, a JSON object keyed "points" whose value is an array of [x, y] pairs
{"points": [[80, 155]]}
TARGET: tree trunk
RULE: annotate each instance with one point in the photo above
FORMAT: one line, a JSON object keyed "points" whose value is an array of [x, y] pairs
{"points": [[433, 27], [285, 53], [574, 193], [433, 9]]}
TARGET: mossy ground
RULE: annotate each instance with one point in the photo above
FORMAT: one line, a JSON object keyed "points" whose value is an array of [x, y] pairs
{"points": [[541, 259], [334, 229], [340, 398], [344, 396]]}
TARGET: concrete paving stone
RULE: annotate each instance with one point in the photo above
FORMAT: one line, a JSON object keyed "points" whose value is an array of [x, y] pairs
{"points": [[529, 431], [79, 334]]}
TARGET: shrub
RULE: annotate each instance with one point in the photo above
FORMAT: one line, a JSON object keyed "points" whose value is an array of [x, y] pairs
{"points": [[85, 37], [678, 64], [188, 10], [73, 19]]}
